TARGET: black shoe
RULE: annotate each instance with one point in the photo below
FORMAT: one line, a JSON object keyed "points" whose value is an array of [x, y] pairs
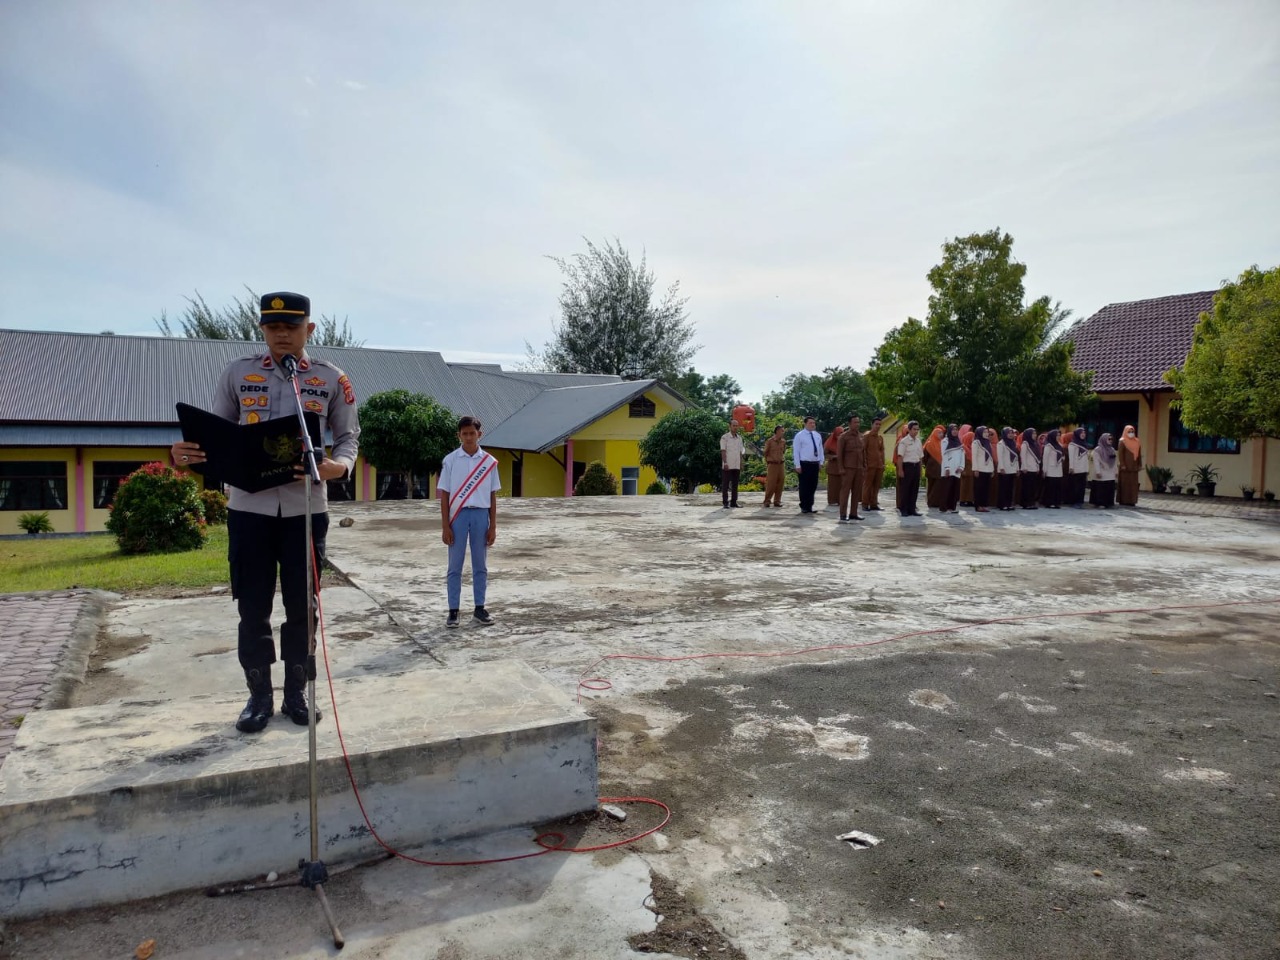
{"points": [[253, 718], [481, 616], [724, 506], [855, 517], [294, 702], [453, 619], [736, 506]]}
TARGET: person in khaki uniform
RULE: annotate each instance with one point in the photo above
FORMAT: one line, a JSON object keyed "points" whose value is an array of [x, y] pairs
{"points": [[775, 449], [873, 473], [851, 454], [834, 470]]}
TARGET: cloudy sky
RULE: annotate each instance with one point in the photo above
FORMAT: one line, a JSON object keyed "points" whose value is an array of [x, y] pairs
{"points": [[795, 165]]}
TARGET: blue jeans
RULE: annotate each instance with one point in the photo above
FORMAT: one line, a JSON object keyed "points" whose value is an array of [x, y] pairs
{"points": [[472, 523]]}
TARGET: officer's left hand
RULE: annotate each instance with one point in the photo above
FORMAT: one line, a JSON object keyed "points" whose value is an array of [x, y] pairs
{"points": [[329, 470], [490, 536]]}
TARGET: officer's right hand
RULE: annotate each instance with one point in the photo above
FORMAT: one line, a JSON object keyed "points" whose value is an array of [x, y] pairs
{"points": [[447, 536]]}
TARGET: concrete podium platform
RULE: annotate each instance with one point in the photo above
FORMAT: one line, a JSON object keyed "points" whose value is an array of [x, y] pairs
{"points": [[137, 798]]}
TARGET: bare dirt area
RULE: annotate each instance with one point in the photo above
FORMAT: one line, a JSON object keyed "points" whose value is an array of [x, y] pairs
{"points": [[1060, 728]]}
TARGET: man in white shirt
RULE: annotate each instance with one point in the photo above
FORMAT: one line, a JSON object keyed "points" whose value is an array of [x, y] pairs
{"points": [[731, 452], [806, 452], [910, 452], [468, 488]]}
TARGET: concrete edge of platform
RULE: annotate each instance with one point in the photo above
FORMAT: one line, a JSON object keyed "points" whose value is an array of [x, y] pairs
{"points": [[84, 637]]}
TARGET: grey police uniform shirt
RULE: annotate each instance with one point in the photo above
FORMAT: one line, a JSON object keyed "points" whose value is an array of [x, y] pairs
{"points": [[255, 388]]}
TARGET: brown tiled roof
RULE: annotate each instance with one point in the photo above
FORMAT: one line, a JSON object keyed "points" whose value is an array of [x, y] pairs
{"points": [[1129, 346]]}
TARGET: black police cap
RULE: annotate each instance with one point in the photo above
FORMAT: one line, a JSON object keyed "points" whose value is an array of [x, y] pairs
{"points": [[284, 308]]}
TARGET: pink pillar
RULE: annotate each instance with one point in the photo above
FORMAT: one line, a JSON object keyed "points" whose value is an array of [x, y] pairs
{"points": [[568, 467], [366, 491], [80, 506]]}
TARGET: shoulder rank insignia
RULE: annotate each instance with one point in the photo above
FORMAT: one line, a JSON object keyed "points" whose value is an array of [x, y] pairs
{"points": [[348, 394]]}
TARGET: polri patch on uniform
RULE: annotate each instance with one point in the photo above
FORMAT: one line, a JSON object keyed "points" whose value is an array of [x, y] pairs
{"points": [[348, 394], [247, 401], [262, 400], [255, 378], [314, 382]]}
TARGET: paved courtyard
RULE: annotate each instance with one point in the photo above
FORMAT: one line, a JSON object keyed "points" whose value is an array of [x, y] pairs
{"points": [[1062, 727]]}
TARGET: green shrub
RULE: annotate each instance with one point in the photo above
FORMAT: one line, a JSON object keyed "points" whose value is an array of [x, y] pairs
{"points": [[890, 477], [214, 505], [157, 510], [751, 487], [36, 522], [706, 488], [657, 487], [596, 481]]}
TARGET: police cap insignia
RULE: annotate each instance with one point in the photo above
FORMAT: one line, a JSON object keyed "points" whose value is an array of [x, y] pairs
{"points": [[284, 308]]}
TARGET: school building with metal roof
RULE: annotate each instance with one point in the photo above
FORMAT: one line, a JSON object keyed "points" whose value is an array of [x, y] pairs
{"points": [[78, 412]]}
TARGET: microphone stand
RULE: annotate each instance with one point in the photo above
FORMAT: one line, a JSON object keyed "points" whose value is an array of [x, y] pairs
{"points": [[312, 873]]}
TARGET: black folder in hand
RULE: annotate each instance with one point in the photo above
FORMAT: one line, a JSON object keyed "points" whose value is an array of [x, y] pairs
{"points": [[251, 456]]}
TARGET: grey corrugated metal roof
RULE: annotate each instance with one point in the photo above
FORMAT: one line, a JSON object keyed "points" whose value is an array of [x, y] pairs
{"points": [[86, 435], [492, 396], [59, 377], [555, 415]]}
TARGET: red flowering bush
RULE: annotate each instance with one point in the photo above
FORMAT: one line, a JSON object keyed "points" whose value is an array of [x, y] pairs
{"points": [[157, 510]]}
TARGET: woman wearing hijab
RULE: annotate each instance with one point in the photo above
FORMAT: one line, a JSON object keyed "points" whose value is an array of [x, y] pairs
{"points": [[1130, 456], [834, 471], [1054, 460], [984, 466], [966, 478], [1029, 468], [932, 466], [1077, 468], [1006, 467], [952, 468], [1102, 492]]}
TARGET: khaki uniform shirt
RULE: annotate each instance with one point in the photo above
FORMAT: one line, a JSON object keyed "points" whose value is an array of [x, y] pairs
{"points": [[775, 448], [874, 444], [255, 388], [851, 452]]}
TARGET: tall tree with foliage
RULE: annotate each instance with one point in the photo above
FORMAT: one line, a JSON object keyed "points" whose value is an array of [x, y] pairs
{"points": [[611, 320], [685, 445], [830, 397], [1230, 383], [406, 433], [982, 354], [239, 321], [718, 393]]}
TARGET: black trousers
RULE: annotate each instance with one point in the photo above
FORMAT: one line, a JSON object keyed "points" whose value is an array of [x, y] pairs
{"points": [[1004, 498], [729, 485], [259, 545], [1052, 491], [1074, 493], [981, 488], [909, 488], [808, 483], [1030, 488], [1102, 493]]}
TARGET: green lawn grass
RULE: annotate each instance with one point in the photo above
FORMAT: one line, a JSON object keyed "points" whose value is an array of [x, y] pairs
{"points": [[62, 562]]}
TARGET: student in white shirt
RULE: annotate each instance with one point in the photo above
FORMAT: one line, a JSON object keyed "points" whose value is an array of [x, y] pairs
{"points": [[468, 488], [1102, 492], [1077, 468], [1054, 460], [952, 468], [1006, 467], [984, 466], [1029, 463]]}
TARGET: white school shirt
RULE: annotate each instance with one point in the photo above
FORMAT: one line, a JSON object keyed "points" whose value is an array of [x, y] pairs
{"points": [[1103, 472], [1077, 458], [733, 448], [807, 445], [1052, 462], [454, 471], [982, 462], [953, 461], [910, 449], [1007, 458], [1030, 459]]}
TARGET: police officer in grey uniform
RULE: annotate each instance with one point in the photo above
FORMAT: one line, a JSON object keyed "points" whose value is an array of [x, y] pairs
{"points": [[267, 529]]}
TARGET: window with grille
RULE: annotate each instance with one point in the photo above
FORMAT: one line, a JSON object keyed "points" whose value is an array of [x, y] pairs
{"points": [[107, 477], [1182, 440], [642, 407], [630, 481], [33, 485]]}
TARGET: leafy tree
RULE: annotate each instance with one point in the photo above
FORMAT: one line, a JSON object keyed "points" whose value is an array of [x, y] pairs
{"points": [[830, 397], [982, 354], [1230, 383], [406, 433], [754, 465], [717, 394], [239, 321], [611, 321], [685, 445]]}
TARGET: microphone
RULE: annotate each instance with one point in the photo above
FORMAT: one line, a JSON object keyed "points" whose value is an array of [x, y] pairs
{"points": [[289, 363]]}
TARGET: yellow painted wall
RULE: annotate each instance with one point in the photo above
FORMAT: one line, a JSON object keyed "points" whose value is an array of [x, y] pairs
{"points": [[543, 477]]}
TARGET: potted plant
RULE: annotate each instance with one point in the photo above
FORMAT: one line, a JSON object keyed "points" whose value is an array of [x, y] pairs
{"points": [[1268, 495], [35, 523], [1205, 478], [1159, 478], [1175, 488], [1247, 492]]}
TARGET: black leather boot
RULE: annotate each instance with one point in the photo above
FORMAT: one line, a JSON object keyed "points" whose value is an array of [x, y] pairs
{"points": [[261, 705], [294, 703]]}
